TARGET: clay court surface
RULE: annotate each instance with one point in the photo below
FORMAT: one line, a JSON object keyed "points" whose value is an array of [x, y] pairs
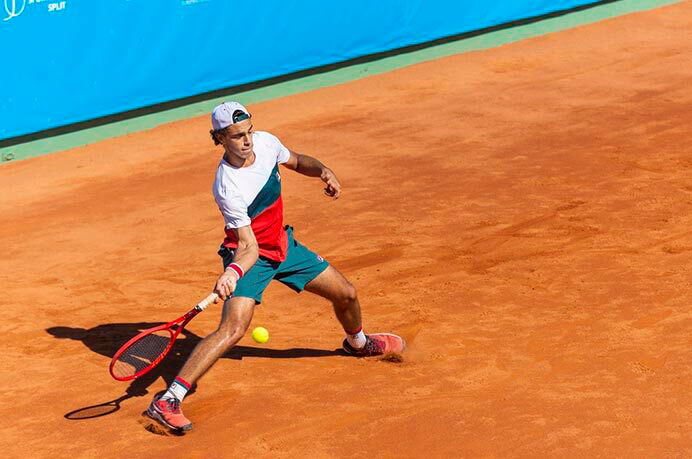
{"points": [[523, 215]]}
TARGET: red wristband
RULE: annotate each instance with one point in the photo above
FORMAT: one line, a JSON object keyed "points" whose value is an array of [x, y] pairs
{"points": [[237, 269]]}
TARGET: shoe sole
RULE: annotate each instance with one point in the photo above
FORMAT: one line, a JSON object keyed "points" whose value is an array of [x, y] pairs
{"points": [[158, 418], [403, 342]]}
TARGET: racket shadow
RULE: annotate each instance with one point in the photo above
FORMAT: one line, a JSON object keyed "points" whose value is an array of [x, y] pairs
{"points": [[96, 411], [106, 339]]}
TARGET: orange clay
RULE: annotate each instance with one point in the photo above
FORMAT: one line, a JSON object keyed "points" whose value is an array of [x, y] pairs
{"points": [[524, 213]]}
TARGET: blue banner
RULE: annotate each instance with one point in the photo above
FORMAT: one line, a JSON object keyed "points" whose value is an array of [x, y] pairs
{"points": [[73, 60]]}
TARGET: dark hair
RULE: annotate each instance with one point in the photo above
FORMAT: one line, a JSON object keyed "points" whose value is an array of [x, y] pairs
{"points": [[214, 133]]}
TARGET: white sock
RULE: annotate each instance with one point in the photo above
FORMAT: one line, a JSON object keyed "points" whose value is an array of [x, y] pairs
{"points": [[178, 389], [357, 340]]}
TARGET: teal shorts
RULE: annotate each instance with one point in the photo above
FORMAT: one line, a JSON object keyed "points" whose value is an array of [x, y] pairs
{"points": [[300, 267]]}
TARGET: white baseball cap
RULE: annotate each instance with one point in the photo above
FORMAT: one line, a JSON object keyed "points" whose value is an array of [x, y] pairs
{"points": [[228, 113]]}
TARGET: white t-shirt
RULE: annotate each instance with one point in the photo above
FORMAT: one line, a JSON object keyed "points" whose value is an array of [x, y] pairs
{"points": [[235, 189]]}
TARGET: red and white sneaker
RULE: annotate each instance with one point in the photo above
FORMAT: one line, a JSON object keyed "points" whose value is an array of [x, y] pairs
{"points": [[377, 344], [167, 412]]}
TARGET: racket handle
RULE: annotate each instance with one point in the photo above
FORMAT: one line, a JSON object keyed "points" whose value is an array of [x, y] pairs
{"points": [[202, 305]]}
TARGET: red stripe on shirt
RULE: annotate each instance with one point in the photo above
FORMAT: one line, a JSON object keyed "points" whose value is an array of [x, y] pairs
{"points": [[269, 232]]}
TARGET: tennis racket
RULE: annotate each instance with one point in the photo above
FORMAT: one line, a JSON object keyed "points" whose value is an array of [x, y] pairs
{"points": [[147, 349]]}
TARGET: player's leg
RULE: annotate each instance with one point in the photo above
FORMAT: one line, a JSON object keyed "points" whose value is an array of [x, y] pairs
{"points": [[305, 270], [235, 320], [333, 286]]}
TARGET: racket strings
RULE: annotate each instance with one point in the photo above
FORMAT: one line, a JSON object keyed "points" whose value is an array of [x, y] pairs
{"points": [[142, 353]]}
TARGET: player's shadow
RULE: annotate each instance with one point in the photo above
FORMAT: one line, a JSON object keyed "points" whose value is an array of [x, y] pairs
{"points": [[106, 339]]}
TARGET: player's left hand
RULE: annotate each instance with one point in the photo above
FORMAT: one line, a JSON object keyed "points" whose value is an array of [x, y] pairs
{"points": [[333, 188]]}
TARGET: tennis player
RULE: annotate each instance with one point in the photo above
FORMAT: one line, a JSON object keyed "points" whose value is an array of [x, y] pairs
{"points": [[259, 248]]}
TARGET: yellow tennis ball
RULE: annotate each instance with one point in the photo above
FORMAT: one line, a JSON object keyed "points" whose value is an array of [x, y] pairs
{"points": [[260, 335]]}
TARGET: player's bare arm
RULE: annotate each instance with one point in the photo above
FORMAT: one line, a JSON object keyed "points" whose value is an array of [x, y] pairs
{"points": [[312, 167], [246, 256]]}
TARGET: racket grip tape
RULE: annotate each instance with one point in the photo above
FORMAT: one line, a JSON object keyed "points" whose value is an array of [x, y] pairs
{"points": [[207, 301]]}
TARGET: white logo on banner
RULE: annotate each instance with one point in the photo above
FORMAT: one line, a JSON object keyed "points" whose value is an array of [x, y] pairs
{"points": [[56, 6], [13, 8]]}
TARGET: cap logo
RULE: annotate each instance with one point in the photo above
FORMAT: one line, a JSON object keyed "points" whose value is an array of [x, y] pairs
{"points": [[239, 116]]}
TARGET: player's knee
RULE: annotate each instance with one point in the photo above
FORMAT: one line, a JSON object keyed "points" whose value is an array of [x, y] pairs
{"points": [[351, 293], [348, 294], [231, 334]]}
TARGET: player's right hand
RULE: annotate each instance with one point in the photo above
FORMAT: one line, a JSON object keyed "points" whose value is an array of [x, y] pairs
{"points": [[226, 284], [333, 188]]}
